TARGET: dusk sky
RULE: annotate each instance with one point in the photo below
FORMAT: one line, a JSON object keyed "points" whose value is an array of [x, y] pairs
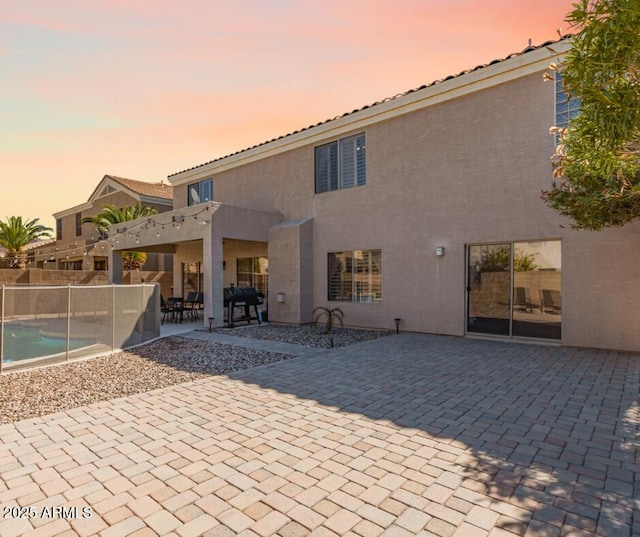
{"points": [[143, 89]]}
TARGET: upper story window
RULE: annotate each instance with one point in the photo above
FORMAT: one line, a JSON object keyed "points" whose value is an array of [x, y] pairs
{"points": [[200, 192], [58, 229], [341, 164], [566, 108], [78, 224]]}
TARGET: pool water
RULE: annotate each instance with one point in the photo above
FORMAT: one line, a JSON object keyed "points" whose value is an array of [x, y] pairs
{"points": [[24, 342]]}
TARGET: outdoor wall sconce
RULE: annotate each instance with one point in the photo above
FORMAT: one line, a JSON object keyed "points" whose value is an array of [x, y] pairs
{"points": [[397, 321], [439, 251], [280, 297]]}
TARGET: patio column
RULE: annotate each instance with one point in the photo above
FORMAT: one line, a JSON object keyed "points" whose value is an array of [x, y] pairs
{"points": [[115, 266], [212, 254]]}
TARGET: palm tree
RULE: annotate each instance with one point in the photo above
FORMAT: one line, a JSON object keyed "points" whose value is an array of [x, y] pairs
{"points": [[15, 234], [111, 214]]}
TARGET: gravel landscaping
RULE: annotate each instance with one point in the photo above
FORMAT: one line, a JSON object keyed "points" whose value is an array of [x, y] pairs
{"points": [[308, 335], [165, 362]]}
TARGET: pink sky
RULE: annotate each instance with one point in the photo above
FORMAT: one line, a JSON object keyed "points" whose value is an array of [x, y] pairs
{"points": [[143, 89]]}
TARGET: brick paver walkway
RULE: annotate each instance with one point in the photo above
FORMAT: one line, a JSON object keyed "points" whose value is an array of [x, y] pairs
{"points": [[403, 436]]}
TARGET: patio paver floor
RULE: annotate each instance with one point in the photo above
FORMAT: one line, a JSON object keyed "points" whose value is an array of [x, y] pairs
{"points": [[404, 435]]}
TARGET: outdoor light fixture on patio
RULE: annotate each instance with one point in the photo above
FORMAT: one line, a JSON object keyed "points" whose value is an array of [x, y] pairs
{"points": [[176, 219], [397, 321]]}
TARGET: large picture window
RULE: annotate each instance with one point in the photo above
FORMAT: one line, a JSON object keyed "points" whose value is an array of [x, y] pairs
{"points": [[200, 192], [355, 276], [341, 164]]}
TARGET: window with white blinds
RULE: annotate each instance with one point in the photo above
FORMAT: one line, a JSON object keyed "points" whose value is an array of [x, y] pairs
{"points": [[341, 164], [355, 276]]}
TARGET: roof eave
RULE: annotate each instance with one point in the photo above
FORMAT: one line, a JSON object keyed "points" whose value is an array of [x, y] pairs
{"points": [[477, 79]]}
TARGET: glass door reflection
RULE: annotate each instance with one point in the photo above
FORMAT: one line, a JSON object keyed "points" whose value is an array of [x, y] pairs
{"points": [[514, 289], [537, 300], [489, 289]]}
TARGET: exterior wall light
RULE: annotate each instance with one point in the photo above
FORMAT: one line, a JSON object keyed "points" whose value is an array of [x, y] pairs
{"points": [[280, 298], [439, 251]]}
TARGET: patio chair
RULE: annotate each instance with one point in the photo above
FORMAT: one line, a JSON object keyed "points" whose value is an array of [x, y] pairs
{"points": [[199, 303], [522, 299], [191, 306], [551, 301], [176, 305], [165, 308]]}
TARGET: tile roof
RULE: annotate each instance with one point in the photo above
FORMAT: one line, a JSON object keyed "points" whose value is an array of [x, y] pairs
{"points": [[530, 48], [157, 190]]}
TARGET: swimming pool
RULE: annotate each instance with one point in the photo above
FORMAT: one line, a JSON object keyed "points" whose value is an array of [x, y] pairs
{"points": [[23, 342]]}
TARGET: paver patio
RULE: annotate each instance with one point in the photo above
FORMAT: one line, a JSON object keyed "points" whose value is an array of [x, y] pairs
{"points": [[405, 435]]}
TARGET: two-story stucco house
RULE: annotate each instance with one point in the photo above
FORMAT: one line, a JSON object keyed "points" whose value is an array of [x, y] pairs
{"points": [[424, 207]]}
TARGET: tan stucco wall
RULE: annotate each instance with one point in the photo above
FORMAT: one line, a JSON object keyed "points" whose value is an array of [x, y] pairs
{"points": [[291, 272], [466, 171]]}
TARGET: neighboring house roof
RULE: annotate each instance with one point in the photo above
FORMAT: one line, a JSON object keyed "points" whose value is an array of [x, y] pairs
{"points": [[148, 193], [38, 243], [530, 48], [156, 190]]}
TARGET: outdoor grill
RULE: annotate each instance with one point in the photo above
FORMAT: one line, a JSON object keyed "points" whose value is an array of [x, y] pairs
{"points": [[242, 297]]}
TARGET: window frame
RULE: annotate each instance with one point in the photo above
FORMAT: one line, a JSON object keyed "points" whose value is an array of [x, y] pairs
{"points": [[201, 193], [341, 163], [78, 224], [565, 108], [258, 275], [351, 279]]}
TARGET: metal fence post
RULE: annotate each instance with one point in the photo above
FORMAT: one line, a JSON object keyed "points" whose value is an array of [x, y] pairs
{"points": [[113, 317], [2, 330], [68, 318], [143, 312]]}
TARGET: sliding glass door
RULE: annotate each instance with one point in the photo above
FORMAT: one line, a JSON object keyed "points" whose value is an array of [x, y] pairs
{"points": [[514, 289], [489, 289]]}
